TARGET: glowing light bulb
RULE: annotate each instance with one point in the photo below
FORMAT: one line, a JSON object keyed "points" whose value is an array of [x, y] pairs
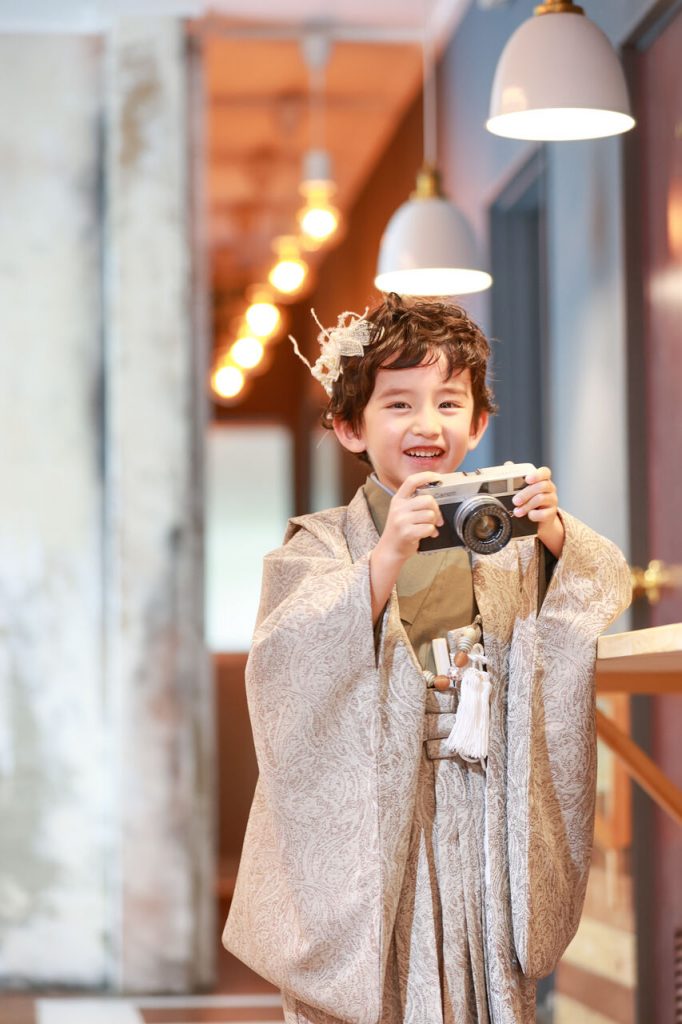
{"points": [[228, 381], [247, 352], [318, 219], [263, 319], [290, 271], [288, 275], [319, 223]]}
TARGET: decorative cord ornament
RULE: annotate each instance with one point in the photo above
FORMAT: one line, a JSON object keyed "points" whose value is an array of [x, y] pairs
{"points": [[469, 736], [346, 339], [459, 663]]}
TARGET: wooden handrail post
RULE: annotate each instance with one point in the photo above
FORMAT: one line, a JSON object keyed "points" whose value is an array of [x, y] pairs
{"points": [[641, 768]]}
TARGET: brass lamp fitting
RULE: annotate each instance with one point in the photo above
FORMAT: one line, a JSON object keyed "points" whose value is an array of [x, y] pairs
{"points": [[428, 183], [558, 7], [654, 580]]}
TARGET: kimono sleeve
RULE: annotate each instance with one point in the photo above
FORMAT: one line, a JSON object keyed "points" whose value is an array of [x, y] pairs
{"points": [[552, 744], [313, 640], [307, 903]]}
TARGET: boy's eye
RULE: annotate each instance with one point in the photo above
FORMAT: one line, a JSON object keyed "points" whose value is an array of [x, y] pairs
{"points": [[398, 405], [450, 405]]}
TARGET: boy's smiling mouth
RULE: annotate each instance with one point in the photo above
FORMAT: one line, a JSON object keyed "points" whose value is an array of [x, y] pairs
{"points": [[431, 452]]}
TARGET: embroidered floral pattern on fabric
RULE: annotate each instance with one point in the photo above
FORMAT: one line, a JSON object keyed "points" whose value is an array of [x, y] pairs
{"points": [[346, 339]]}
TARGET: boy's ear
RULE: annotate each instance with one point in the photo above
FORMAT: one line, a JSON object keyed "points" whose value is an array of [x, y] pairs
{"points": [[347, 436], [478, 429]]}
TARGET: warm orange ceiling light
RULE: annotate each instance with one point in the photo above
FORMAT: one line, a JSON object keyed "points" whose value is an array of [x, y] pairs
{"points": [[247, 352], [319, 222], [290, 271], [287, 276], [228, 381], [263, 318], [319, 219]]}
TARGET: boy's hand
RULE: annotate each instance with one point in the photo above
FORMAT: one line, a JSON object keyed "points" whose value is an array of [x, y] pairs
{"points": [[539, 502], [410, 518]]}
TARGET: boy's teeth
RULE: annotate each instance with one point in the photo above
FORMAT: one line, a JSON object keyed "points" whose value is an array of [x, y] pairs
{"points": [[425, 453]]}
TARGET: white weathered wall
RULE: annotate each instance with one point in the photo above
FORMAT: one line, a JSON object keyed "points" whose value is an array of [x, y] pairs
{"points": [[106, 788], [158, 666], [55, 801]]}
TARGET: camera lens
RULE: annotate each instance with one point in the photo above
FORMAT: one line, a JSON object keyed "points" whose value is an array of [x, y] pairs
{"points": [[483, 524]]}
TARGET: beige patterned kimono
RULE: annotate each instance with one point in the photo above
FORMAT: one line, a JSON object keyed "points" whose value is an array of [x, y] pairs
{"points": [[381, 881]]}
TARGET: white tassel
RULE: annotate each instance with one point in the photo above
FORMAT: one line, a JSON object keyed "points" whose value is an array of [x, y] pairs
{"points": [[469, 736]]}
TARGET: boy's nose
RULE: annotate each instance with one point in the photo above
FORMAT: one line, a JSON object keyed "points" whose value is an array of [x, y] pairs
{"points": [[426, 423]]}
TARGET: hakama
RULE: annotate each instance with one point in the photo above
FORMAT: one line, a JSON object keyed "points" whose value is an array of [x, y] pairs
{"points": [[436, 964]]}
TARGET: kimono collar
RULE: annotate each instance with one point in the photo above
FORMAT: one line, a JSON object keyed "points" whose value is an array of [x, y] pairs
{"points": [[360, 533], [379, 500]]}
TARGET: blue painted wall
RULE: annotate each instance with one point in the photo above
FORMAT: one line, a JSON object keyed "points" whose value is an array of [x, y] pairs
{"points": [[587, 421]]}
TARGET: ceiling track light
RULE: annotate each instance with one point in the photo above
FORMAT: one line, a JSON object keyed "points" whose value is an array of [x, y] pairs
{"points": [[428, 247], [559, 79]]}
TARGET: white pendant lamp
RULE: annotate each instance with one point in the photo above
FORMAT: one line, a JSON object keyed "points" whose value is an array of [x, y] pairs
{"points": [[559, 78], [428, 246]]}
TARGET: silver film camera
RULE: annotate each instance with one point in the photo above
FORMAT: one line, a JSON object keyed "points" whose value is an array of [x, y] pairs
{"points": [[477, 509]]}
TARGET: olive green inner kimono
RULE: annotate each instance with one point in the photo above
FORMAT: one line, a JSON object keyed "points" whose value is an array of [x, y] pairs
{"points": [[435, 591]]}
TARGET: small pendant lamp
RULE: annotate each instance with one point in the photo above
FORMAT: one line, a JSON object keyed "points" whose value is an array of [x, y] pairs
{"points": [[428, 246], [559, 78], [318, 219]]}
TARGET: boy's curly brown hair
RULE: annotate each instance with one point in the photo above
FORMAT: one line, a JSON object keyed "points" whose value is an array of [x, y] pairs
{"points": [[410, 333]]}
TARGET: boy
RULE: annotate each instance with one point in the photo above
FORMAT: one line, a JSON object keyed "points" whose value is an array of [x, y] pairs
{"points": [[384, 878]]}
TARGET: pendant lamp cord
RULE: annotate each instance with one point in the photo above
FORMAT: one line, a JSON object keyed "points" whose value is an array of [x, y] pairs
{"points": [[316, 45], [318, 138], [429, 98]]}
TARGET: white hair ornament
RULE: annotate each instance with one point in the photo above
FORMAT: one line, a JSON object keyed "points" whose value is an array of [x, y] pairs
{"points": [[346, 339]]}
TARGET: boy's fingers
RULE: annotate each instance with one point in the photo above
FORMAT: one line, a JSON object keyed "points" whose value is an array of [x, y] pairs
{"points": [[416, 480], [421, 514], [539, 515], [543, 473], [422, 501], [543, 500], [420, 530], [541, 488]]}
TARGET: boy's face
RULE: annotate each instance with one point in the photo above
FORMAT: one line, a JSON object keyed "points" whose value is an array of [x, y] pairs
{"points": [[416, 420]]}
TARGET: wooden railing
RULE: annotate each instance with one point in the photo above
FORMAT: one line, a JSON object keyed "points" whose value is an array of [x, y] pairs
{"points": [[645, 661]]}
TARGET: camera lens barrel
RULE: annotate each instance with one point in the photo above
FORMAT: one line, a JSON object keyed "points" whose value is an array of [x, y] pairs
{"points": [[483, 524]]}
